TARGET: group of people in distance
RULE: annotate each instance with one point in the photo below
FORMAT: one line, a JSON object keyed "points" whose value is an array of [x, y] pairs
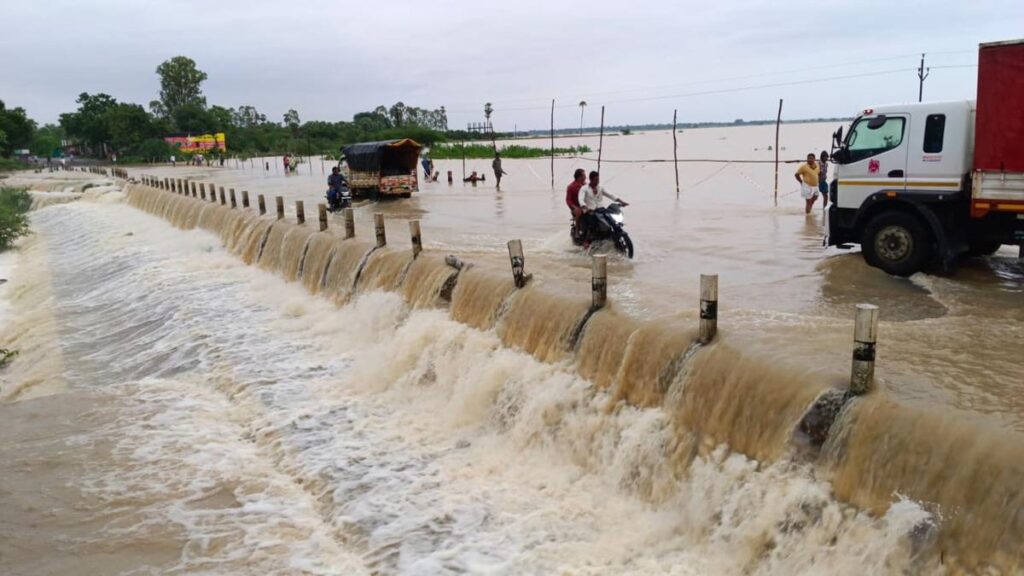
{"points": [[593, 195], [813, 178]]}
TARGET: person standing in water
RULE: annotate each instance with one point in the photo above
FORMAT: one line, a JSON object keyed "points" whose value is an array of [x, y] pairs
{"points": [[823, 178], [807, 176], [498, 172]]}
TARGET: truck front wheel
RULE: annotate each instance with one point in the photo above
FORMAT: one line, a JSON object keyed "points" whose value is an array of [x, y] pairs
{"points": [[896, 242]]}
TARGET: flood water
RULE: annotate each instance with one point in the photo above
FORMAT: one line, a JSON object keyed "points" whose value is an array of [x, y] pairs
{"points": [[182, 403]]}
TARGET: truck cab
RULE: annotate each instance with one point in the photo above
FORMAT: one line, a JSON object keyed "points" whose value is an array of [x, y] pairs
{"points": [[900, 175], [921, 184]]}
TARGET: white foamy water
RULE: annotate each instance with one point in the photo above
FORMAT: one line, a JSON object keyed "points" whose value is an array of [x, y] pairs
{"points": [[228, 423]]}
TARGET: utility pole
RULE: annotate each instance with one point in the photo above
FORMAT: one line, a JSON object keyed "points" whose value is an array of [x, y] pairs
{"points": [[922, 73]]}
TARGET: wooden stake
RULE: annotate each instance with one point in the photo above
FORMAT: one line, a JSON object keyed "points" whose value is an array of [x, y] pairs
{"points": [[599, 281], [279, 201], [865, 333], [378, 229], [300, 212], [600, 141], [322, 214], [675, 149], [414, 235], [778, 120], [350, 223], [708, 307]]}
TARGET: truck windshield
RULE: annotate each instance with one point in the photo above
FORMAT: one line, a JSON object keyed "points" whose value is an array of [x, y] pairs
{"points": [[867, 138]]}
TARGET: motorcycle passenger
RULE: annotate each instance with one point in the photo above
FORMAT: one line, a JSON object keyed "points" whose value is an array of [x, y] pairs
{"points": [[593, 194], [336, 184]]}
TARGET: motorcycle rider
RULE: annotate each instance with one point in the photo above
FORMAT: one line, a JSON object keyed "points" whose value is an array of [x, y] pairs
{"points": [[336, 183], [592, 201]]}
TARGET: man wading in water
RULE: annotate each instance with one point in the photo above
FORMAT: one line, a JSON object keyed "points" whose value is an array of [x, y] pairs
{"points": [[572, 198], [807, 176], [498, 172]]}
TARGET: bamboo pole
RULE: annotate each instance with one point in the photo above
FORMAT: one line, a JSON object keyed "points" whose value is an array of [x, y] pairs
{"points": [[600, 141], [552, 143], [463, 146], [675, 148], [778, 120]]}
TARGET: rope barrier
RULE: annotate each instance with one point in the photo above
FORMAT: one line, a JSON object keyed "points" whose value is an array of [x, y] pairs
{"points": [[681, 160]]}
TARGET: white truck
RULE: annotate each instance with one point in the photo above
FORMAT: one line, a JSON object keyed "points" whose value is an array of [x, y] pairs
{"points": [[918, 185]]}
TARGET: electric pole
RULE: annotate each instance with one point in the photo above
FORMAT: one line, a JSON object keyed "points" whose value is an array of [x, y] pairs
{"points": [[922, 73]]}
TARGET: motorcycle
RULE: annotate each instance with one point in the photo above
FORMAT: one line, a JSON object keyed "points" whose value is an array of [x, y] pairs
{"points": [[339, 201], [606, 224]]}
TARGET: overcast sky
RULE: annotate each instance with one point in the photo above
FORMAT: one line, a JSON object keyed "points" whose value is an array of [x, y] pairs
{"points": [[331, 59]]}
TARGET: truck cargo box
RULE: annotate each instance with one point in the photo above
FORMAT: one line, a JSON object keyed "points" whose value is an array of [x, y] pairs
{"points": [[998, 179], [999, 131]]}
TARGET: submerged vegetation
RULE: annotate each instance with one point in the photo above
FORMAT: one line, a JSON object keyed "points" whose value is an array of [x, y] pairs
{"points": [[454, 151], [14, 206]]}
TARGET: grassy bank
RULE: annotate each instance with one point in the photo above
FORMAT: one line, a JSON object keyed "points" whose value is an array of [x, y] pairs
{"points": [[14, 207], [455, 151], [8, 165]]}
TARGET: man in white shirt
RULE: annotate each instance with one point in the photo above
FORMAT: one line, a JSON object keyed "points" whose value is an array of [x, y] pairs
{"points": [[593, 194]]}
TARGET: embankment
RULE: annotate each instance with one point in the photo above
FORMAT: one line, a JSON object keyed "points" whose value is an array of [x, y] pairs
{"points": [[876, 454]]}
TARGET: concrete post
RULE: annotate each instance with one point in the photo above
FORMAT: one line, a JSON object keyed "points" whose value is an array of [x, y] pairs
{"points": [[450, 179], [280, 207], [322, 214], [193, 186], [350, 223], [599, 281], [202, 190], [234, 202], [414, 235], [262, 204], [245, 198], [708, 307], [865, 332], [223, 199], [300, 212], [378, 230], [518, 262]]}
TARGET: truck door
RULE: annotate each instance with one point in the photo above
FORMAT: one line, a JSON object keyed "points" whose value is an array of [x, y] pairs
{"points": [[876, 158]]}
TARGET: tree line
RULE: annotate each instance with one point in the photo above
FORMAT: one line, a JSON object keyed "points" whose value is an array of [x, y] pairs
{"points": [[102, 127]]}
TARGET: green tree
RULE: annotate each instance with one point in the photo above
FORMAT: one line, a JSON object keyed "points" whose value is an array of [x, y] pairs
{"points": [[248, 117], [194, 119], [180, 82], [291, 120], [129, 125], [223, 118], [47, 141], [89, 123], [17, 127]]}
